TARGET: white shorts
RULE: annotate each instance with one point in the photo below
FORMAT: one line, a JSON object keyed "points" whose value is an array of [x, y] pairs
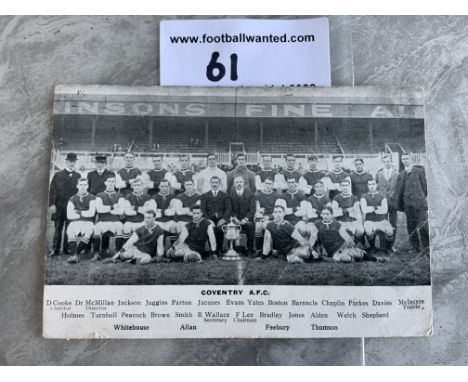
{"points": [[114, 227], [134, 253], [307, 230], [183, 251], [371, 227], [80, 228], [130, 227], [171, 226], [355, 228], [298, 255]]}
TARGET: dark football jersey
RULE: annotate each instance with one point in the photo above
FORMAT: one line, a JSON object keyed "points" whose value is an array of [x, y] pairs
{"points": [[283, 242], [181, 176], [345, 202], [187, 201], [337, 177], [293, 201], [359, 183], [328, 235], [312, 177], [264, 174], [156, 176], [126, 174], [137, 201], [81, 203], [267, 201], [289, 174], [374, 200], [163, 202], [109, 199], [318, 203], [148, 239], [197, 235]]}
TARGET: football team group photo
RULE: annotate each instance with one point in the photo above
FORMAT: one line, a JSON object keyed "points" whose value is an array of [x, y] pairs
{"points": [[194, 199]]}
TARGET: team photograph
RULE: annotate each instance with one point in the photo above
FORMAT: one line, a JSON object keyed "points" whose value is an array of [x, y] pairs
{"points": [[180, 193]]}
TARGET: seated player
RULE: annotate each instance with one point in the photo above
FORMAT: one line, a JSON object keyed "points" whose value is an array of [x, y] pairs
{"points": [[165, 213], [282, 239], [267, 172], [81, 209], [346, 209], [184, 202], [137, 203], [335, 240], [311, 176], [110, 207], [145, 245], [316, 202], [375, 208], [191, 243], [266, 199]]}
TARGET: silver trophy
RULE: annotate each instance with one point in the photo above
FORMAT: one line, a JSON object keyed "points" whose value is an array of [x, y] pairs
{"points": [[231, 233]]}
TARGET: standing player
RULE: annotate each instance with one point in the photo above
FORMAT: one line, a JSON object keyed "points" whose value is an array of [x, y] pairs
{"points": [[375, 208], [184, 203], [97, 177], [127, 175], [266, 172], [145, 244], [81, 209], [387, 179], [290, 172], [317, 202], [191, 244], [216, 206], [138, 202], [337, 175], [359, 178], [204, 177], [62, 188], [282, 239], [184, 173], [158, 174], [311, 176], [347, 211], [241, 170], [266, 200], [110, 206]]}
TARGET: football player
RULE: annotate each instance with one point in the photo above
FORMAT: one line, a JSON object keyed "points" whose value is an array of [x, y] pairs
{"points": [[138, 202], [184, 173], [145, 245], [81, 209], [184, 203], [204, 177], [154, 177], [317, 202], [127, 175], [266, 172], [282, 239], [311, 176], [359, 178], [346, 209], [290, 172], [191, 243], [241, 170], [336, 176], [110, 207], [374, 207], [266, 199]]}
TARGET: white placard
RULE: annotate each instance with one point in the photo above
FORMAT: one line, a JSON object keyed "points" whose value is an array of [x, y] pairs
{"points": [[237, 52]]}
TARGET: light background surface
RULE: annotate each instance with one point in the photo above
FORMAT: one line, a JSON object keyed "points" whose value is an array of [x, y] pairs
{"points": [[38, 52]]}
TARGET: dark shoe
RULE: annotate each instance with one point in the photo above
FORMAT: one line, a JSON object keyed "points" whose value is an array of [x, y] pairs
{"points": [[369, 257], [261, 257], [73, 259]]}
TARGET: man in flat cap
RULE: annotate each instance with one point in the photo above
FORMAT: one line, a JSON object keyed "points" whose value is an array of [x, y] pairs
{"points": [[62, 188], [96, 178]]}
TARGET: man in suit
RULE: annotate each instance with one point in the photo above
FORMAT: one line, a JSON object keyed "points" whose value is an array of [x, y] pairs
{"points": [[410, 197], [97, 178], [216, 206], [62, 188], [386, 179], [243, 210]]}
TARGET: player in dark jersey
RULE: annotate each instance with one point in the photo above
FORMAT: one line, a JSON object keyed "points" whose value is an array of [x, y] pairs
{"points": [[184, 173], [334, 239], [266, 172], [145, 245], [184, 203], [158, 174], [191, 244], [81, 209], [266, 200], [374, 207], [346, 209], [336, 176], [127, 175], [137, 203], [290, 172], [110, 206], [282, 239], [359, 178], [311, 176]]}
